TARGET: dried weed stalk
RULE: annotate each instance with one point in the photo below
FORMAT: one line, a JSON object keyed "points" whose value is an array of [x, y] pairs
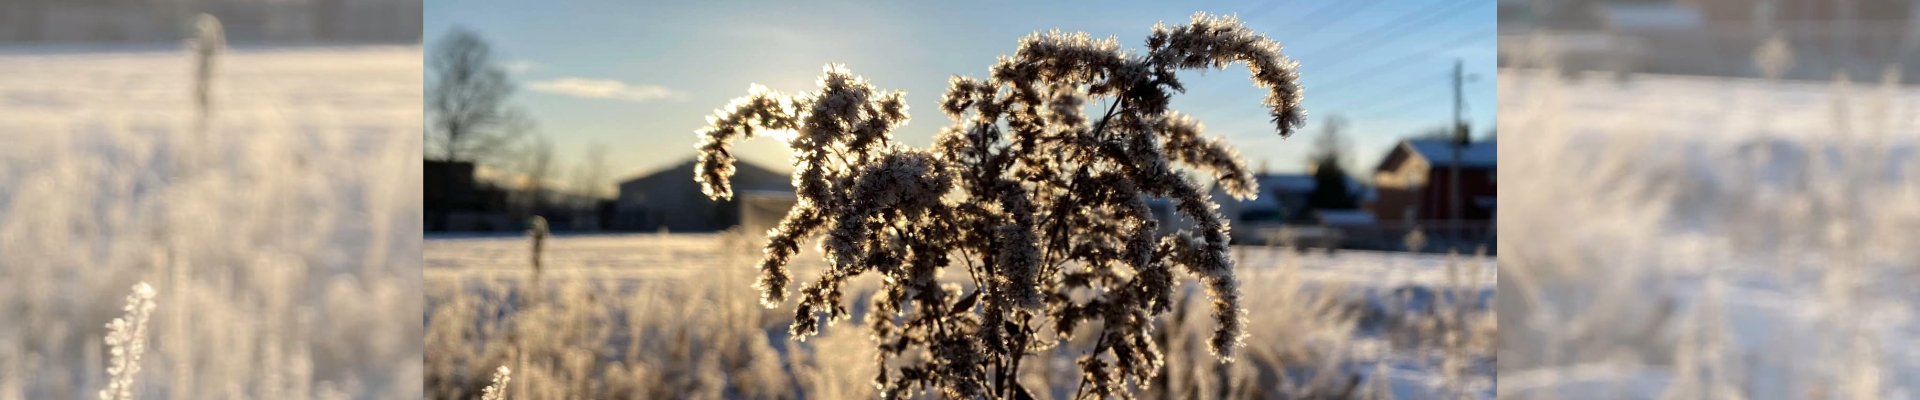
{"points": [[498, 390], [1042, 204], [127, 336]]}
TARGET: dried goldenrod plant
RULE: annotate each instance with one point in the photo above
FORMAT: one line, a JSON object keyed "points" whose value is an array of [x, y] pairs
{"points": [[1043, 205]]}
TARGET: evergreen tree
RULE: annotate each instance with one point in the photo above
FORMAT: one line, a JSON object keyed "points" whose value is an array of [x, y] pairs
{"points": [[1330, 189]]}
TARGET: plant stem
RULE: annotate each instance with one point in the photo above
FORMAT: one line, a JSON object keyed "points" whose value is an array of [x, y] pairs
{"points": [[1098, 346], [1059, 222]]}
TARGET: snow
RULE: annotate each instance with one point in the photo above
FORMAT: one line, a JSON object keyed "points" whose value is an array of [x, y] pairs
{"points": [[280, 243], [461, 269], [1695, 237]]}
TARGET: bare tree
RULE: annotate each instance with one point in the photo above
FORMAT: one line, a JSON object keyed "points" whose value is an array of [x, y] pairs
{"points": [[1331, 144], [467, 107], [468, 117], [590, 175], [536, 167]]}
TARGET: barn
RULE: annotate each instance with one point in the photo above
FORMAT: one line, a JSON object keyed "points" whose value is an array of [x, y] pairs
{"points": [[669, 199]]}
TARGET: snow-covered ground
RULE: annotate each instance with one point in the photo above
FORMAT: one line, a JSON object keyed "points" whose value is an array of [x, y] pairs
{"points": [[1697, 237], [281, 241], [1348, 311]]}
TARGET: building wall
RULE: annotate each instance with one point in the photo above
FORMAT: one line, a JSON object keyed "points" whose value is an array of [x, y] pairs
{"points": [[1436, 202], [1410, 172], [1393, 203], [1430, 201], [652, 204]]}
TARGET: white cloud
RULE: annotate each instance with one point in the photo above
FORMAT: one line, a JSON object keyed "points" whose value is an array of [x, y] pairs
{"points": [[605, 89], [519, 66]]}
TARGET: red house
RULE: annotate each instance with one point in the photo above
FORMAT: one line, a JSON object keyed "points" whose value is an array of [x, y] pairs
{"points": [[1415, 182]]}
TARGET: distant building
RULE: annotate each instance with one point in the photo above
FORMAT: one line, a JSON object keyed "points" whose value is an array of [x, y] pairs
{"points": [[1281, 201], [147, 21], [1414, 181], [1415, 186], [1713, 37], [1283, 198], [454, 201], [670, 199], [574, 212]]}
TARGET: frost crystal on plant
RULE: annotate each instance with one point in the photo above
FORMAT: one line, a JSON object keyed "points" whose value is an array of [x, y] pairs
{"points": [[127, 336], [498, 390], [1035, 198]]}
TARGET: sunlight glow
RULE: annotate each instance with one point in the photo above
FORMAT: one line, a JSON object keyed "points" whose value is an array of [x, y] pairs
{"points": [[785, 135]]}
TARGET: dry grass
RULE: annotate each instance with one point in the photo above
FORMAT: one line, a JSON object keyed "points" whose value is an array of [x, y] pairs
{"points": [[613, 333]]}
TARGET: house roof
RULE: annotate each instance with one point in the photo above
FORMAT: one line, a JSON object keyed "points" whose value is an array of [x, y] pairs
{"points": [[1439, 152], [684, 169]]}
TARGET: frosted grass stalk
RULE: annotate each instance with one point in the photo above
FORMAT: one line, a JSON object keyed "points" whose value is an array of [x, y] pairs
{"points": [[497, 391], [128, 337]]}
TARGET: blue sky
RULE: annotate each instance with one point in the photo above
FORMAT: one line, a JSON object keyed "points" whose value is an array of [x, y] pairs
{"points": [[637, 77]]}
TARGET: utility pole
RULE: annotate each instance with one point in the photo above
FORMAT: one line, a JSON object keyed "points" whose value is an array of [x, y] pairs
{"points": [[1459, 140]]}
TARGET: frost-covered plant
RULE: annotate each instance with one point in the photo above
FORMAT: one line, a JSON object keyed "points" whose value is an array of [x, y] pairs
{"points": [[128, 337], [283, 242], [209, 39], [537, 232], [1042, 204], [1715, 198], [498, 390]]}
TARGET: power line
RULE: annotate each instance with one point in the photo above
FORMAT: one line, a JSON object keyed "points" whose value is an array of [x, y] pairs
{"points": [[1328, 9], [1415, 14], [1445, 11], [1408, 60], [1262, 11], [1419, 81], [1400, 106], [1326, 20], [1403, 23], [1402, 102]]}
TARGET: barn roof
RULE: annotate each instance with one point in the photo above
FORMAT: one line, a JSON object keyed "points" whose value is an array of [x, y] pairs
{"points": [[747, 176], [1439, 152]]}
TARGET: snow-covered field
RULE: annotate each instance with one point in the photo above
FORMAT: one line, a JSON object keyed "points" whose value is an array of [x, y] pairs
{"points": [[281, 242], [1692, 237], [675, 316]]}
